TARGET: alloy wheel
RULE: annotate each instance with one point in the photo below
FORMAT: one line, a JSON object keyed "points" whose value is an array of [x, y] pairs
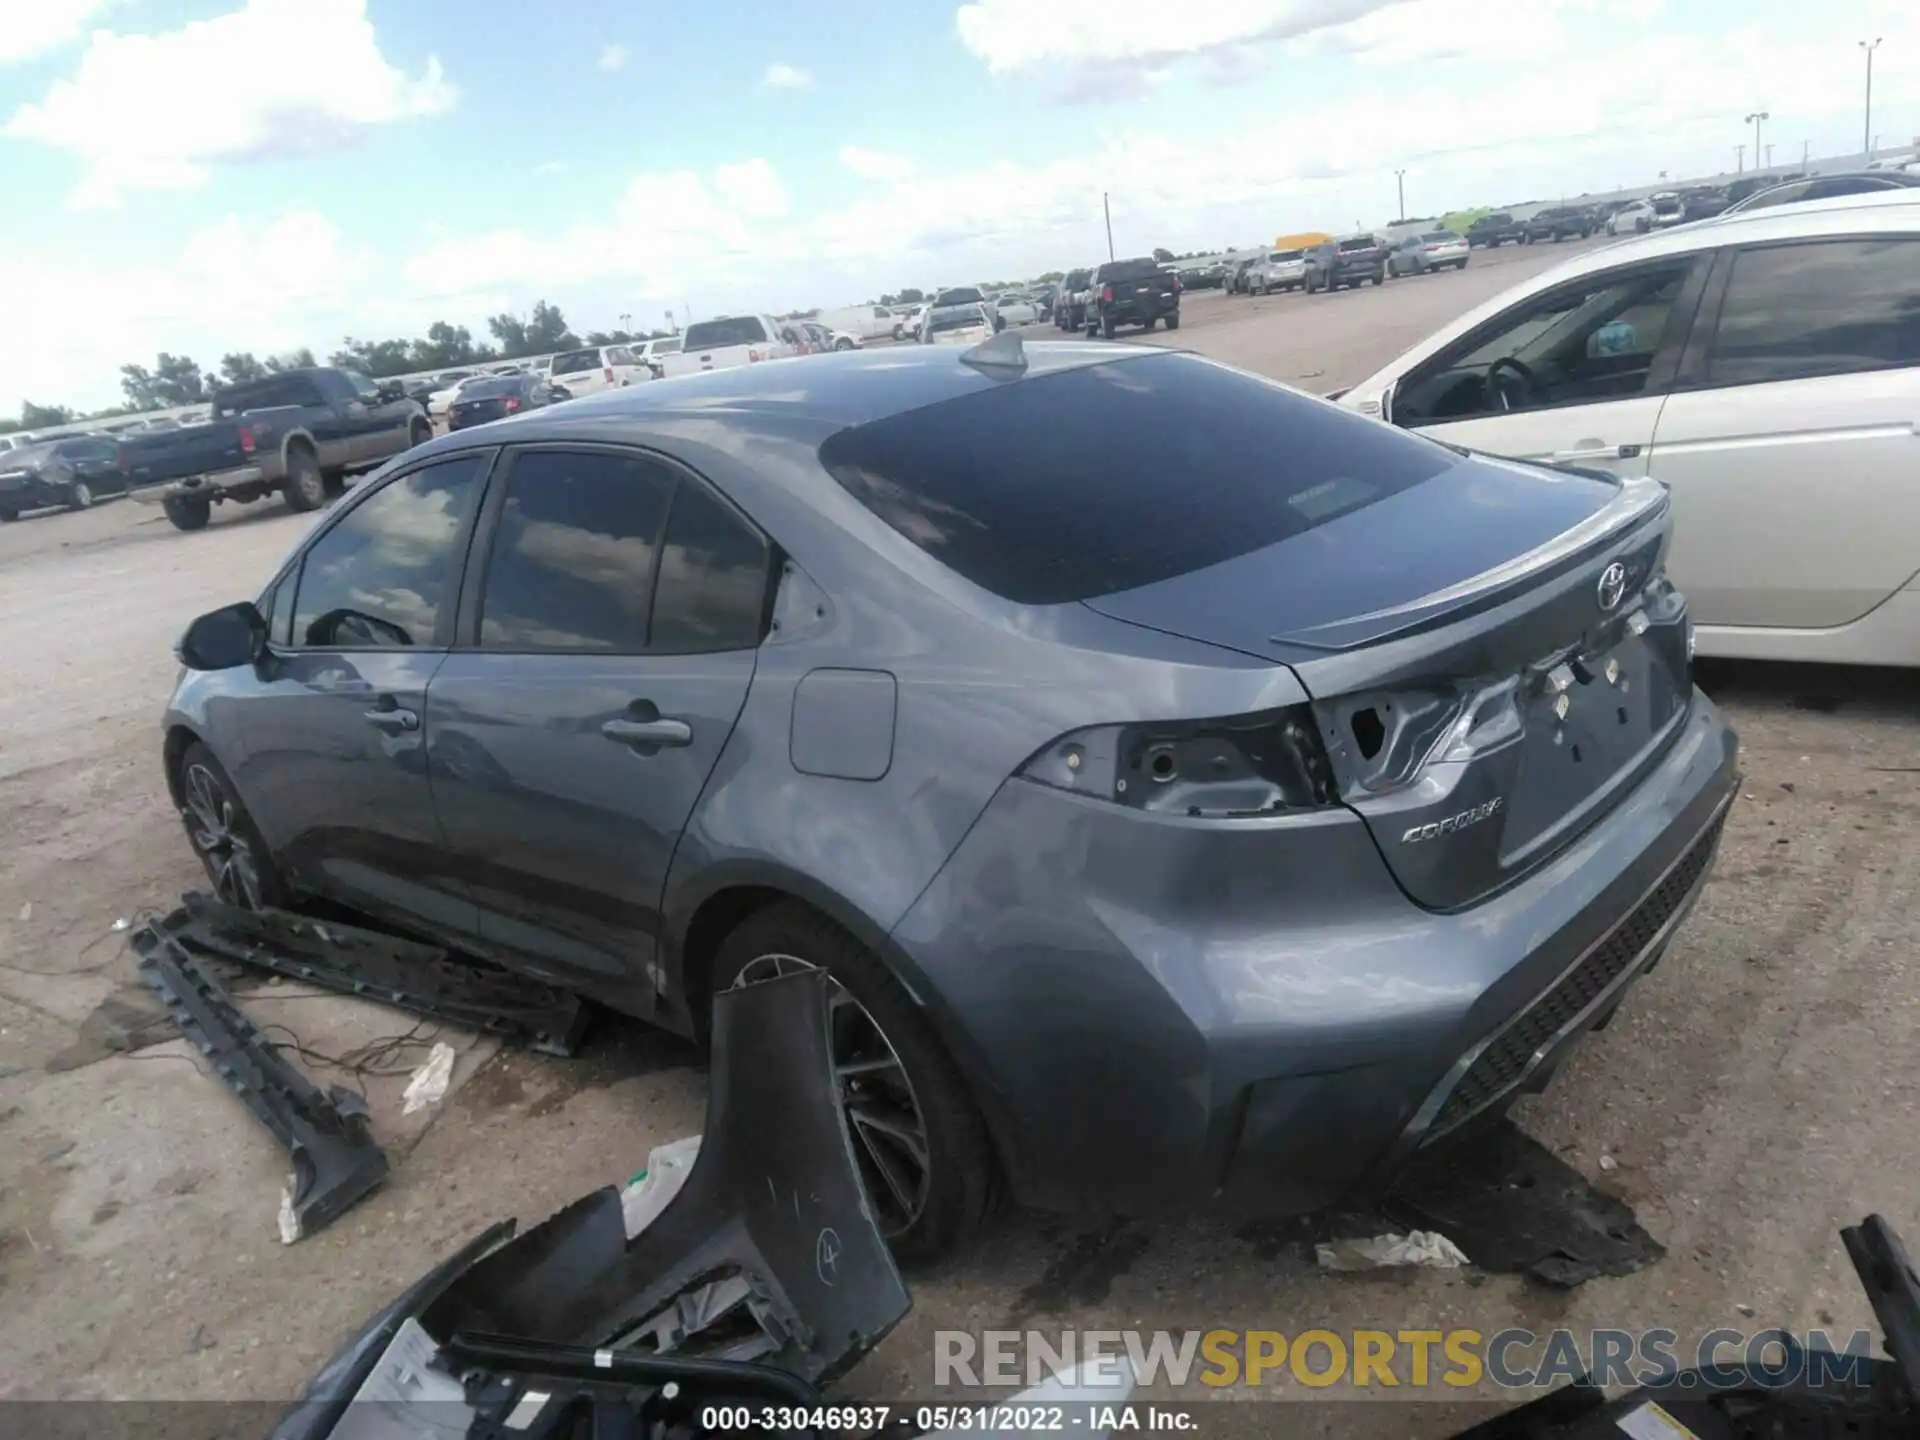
{"points": [[213, 823], [82, 495], [884, 1116]]}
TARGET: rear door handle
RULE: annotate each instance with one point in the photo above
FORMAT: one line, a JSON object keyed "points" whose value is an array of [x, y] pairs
{"points": [[393, 719], [1598, 452], [648, 732]]}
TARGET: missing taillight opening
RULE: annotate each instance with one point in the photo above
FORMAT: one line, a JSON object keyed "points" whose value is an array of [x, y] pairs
{"points": [[1262, 764]]}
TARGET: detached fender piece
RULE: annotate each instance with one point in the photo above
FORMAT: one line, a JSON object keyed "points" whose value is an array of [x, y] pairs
{"points": [[335, 1159], [749, 1276]]}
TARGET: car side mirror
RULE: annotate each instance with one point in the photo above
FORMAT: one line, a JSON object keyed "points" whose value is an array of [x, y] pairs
{"points": [[224, 639], [391, 392], [1386, 404]]}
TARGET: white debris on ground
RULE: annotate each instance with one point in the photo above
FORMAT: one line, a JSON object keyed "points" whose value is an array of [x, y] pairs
{"points": [[1427, 1248], [289, 1221], [430, 1081]]}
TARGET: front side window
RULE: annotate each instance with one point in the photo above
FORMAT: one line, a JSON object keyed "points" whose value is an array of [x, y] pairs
{"points": [[1792, 311], [576, 362], [1576, 346], [378, 579], [571, 562], [364, 388]]}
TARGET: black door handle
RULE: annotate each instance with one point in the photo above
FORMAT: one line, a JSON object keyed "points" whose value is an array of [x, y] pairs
{"points": [[392, 718], [648, 735]]}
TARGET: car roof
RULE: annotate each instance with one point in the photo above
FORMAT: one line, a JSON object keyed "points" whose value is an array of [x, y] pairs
{"points": [[848, 387]]}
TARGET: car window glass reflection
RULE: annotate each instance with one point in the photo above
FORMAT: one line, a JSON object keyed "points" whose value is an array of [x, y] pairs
{"points": [[378, 578], [572, 560], [713, 578]]}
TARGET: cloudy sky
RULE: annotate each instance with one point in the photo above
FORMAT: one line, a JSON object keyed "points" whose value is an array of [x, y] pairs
{"points": [[203, 176]]}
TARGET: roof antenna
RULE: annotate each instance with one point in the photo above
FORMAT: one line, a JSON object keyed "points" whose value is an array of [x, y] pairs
{"points": [[1003, 357]]}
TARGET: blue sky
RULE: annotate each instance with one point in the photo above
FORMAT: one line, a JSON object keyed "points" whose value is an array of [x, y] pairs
{"points": [[215, 175]]}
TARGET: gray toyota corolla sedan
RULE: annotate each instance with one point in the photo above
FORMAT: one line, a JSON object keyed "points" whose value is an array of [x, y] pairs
{"points": [[1195, 789]]}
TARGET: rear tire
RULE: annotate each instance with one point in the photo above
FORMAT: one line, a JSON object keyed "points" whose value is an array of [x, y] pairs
{"points": [[419, 432], [1106, 327], [305, 488], [1378, 278], [187, 512], [1144, 329], [223, 835], [922, 1147], [1173, 322], [8, 514]]}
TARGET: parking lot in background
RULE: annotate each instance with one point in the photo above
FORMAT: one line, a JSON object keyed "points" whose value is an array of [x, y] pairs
{"points": [[1755, 1092]]}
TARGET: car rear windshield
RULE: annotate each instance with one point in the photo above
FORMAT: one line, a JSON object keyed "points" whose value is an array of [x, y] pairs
{"points": [[1438, 237], [959, 317], [1173, 463], [491, 388], [264, 395], [717, 334], [576, 362], [1129, 270], [1360, 242], [1282, 256], [1075, 279]]}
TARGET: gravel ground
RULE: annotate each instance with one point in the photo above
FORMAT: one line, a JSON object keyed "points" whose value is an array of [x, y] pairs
{"points": [[1754, 1093]]}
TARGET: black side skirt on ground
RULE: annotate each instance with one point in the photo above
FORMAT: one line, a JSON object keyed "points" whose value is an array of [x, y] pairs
{"points": [[335, 1160]]}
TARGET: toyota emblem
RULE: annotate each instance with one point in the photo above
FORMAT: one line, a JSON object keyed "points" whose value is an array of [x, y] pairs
{"points": [[1612, 588]]}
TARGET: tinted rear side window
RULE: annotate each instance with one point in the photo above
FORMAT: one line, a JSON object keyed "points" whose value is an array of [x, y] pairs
{"points": [[1173, 464], [575, 362], [713, 577], [715, 334], [1819, 309]]}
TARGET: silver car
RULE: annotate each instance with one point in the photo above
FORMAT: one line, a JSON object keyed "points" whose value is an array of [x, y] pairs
{"points": [[1766, 367], [1278, 270], [1431, 250]]}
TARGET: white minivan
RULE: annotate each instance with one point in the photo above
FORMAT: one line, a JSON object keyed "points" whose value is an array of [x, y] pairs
{"points": [[863, 322], [597, 368], [1765, 367]]}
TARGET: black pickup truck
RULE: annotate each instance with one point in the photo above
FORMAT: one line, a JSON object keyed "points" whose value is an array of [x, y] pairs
{"points": [[297, 434], [1495, 230], [1132, 292]]}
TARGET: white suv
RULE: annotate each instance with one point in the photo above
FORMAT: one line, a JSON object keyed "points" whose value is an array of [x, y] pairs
{"points": [[1766, 367], [597, 368], [1277, 270]]}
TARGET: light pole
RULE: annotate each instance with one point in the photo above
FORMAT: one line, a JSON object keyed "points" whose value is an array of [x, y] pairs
{"points": [[1866, 128], [1754, 120], [1400, 184], [1740, 159], [1107, 210], [1769, 157], [626, 321]]}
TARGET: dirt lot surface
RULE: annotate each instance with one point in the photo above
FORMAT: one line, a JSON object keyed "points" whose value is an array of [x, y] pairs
{"points": [[1755, 1093]]}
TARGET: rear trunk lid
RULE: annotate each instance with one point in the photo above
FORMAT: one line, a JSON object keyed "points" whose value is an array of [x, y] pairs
{"points": [[1495, 657], [188, 450]]}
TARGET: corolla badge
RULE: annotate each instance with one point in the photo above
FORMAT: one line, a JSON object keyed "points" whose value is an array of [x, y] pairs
{"points": [[1452, 825], [1612, 588]]}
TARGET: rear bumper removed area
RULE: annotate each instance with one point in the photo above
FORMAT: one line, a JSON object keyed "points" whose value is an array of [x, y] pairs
{"points": [[1253, 1009]]}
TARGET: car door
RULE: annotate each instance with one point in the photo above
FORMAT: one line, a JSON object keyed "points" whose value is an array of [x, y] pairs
{"points": [[606, 653], [1571, 375], [330, 756], [1792, 443], [385, 425]]}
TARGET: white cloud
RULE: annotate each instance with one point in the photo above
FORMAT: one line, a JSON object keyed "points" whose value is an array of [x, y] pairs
{"points": [[782, 76], [1110, 49], [875, 164], [163, 111], [38, 26], [612, 58], [553, 167]]}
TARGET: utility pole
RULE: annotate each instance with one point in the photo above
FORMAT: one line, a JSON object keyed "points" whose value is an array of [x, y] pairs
{"points": [[1740, 159], [1769, 157], [1806, 149], [1866, 128], [1107, 210], [1400, 183], [1754, 120], [626, 321]]}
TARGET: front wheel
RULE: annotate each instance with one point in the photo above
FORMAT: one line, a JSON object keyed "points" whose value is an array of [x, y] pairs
{"points": [[843, 344], [79, 496], [8, 514], [187, 512], [223, 834], [1173, 322], [920, 1144], [1378, 278]]}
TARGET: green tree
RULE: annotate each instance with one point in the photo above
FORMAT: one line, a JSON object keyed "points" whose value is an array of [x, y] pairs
{"points": [[240, 368], [547, 330], [445, 345], [378, 358], [37, 417], [301, 359], [911, 296], [174, 380], [511, 332], [1162, 255]]}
